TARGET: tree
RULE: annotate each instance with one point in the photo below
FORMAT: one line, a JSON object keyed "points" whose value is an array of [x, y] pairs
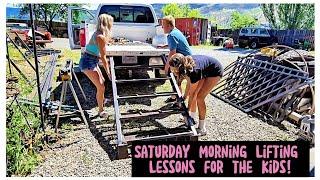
{"points": [[48, 12], [239, 20], [195, 13], [185, 9], [182, 10], [172, 9], [289, 16]]}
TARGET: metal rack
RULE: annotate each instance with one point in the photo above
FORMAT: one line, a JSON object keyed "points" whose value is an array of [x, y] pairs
{"points": [[123, 140]]}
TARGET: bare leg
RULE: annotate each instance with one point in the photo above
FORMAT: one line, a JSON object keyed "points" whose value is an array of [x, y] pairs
{"points": [[97, 79], [207, 87], [192, 103]]}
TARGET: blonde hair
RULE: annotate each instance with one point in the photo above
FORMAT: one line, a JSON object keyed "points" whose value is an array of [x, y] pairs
{"points": [[104, 24], [170, 20], [184, 64]]}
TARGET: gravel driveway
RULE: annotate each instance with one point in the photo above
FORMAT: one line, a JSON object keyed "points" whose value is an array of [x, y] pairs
{"points": [[90, 152]]}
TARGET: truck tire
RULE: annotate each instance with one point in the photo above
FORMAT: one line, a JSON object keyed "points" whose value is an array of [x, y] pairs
{"points": [[219, 42], [253, 44], [157, 73], [242, 45]]}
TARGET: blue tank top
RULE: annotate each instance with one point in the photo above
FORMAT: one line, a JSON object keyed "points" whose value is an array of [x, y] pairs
{"points": [[92, 47]]}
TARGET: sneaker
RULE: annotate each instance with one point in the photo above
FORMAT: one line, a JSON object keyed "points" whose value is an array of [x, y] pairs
{"points": [[106, 101], [183, 119], [202, 132], [103, 114], [170, 99]]}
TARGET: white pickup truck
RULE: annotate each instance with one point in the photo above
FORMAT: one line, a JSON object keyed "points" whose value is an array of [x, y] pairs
{"points": [[135, 22]]}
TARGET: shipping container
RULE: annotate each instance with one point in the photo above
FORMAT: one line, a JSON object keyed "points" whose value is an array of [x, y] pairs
{"points": [[194, 29]]}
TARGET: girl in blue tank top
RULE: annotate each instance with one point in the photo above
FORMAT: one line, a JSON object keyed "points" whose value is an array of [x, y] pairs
{"points": [[95, 51]]}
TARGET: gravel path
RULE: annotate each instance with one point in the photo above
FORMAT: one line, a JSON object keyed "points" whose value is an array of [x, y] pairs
{"points": [[91, 152]]}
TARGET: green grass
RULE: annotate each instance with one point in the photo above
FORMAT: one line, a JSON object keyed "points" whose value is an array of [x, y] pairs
{"points": [[67, 126], [14, 53], [74, 55], [166, 87]]}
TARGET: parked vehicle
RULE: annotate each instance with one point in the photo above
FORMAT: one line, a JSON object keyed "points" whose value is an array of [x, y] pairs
{"points": [[134, 22], [256, 37], [25, 34]]}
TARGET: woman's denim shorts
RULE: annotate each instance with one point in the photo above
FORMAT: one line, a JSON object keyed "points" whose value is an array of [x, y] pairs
{"points": [[88, 62]]}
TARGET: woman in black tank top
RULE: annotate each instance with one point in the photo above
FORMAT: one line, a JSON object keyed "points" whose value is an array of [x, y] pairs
{"points": [[202, 74]]}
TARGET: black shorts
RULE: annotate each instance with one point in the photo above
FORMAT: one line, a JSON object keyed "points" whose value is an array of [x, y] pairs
{"points": [[213, 70]]}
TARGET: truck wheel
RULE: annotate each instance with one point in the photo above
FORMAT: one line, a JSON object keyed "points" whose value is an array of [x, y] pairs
{"points": [[219, 42], [242, 45], [157, 73], [253, 45]]}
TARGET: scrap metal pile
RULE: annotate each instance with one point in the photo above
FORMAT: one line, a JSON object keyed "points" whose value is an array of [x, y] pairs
{"points": [[123, 41], [276, 82]]}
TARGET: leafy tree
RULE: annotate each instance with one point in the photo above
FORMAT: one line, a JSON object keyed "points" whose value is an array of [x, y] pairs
{"points": [[289, 16], [172, 9], [239, 20], [181, 10], [195, 13], [185, 9], [48, 12]]}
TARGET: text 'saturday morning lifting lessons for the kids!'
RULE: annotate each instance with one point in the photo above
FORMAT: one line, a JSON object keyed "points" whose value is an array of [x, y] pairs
{"points": [[221, 159]]}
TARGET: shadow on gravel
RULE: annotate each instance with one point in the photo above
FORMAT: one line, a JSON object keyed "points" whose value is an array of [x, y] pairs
{"points": [[104, 142], [100, 127], [105, 130], [268, 120], [124, 89], [236, 50]]}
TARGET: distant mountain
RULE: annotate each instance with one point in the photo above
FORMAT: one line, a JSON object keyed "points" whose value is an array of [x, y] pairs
{"points": [[222, 12]]}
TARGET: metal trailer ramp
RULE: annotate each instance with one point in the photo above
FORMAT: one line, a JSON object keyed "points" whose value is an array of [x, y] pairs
{"points": [[249, 83], [124, 140]]}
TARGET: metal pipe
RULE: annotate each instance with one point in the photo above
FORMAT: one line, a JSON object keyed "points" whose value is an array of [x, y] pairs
{"points": [[8, 56], [37, 69], [120, 138]]}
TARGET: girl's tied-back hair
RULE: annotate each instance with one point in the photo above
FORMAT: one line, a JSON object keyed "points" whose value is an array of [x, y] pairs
{"points": [[185, 64], [104, 24]]}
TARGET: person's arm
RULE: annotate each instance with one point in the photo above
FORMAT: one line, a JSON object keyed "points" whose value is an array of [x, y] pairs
{"points": [[166, 67], [186, 92], [162, 46], [172, 44], [102, 42]]}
